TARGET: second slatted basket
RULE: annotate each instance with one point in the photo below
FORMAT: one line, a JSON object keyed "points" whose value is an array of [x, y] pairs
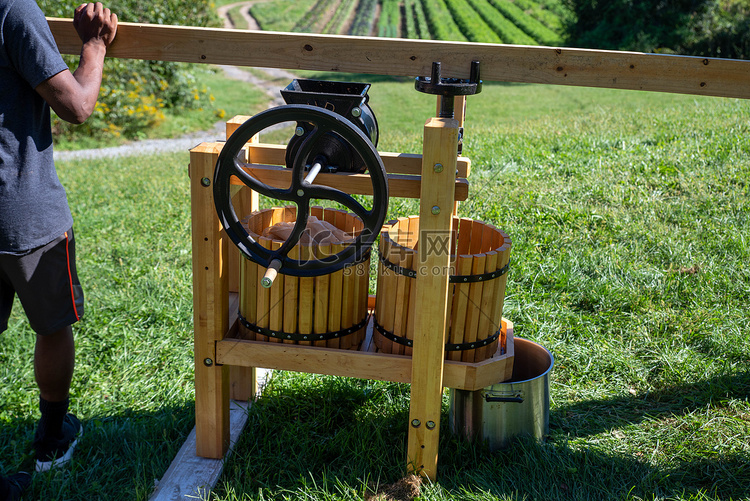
{"points": [[480, 257]]}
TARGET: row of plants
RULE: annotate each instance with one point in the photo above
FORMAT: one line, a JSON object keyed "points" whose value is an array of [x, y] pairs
{"points": [[553, 17], [390, 18], [533, 28], [409, 24], [314, 20], [527, 22], [415, 23], [505, 29], [471, 23], [559, 7], [420, 19], [488, 21], [440, 21], [364, 18], [340, 17]]}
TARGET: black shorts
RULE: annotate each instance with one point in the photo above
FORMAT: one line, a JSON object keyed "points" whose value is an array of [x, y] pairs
{"points": [[46, 283]]}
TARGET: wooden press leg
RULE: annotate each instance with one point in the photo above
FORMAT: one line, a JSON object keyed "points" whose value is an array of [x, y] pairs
{"points": [[432, 263], [243, 381], [210, 298]]}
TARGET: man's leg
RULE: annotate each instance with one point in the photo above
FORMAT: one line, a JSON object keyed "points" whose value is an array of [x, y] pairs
{"points": [[57, 433], [54, 359], [47, 285]]}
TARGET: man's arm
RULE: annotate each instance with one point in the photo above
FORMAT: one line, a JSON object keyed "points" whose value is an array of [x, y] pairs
{"points": [[73, 95]]}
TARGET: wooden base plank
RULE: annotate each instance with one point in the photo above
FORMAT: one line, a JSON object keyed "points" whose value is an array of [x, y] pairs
{"points": [[191, 477], [365, 363]]}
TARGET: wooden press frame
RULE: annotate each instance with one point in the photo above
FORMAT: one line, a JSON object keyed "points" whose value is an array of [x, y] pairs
{"points": [[225, 364], [426, 371]]}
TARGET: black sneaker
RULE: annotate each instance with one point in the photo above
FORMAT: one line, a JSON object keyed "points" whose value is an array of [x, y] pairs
{"points": [[12, 487], [51, 453]]}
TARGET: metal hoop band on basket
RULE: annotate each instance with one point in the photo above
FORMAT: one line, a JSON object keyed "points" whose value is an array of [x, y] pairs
{"points": [[301, 337], [448, 346], [454, 279]]}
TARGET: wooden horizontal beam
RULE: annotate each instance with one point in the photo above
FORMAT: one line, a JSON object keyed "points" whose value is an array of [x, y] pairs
{"points": [[400, 186], [395, 163], [400, 57], [358, 364]]}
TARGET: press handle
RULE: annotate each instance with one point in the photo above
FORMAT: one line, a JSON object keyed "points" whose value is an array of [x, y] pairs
{"points": [[271, 272]]}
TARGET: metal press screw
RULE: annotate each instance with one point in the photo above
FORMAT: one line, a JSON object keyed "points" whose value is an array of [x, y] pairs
{"points": [[208, 362], [430, 425], [299, 131], [205, 181], [356, 112], [300, 193], [435, 210], [415, 423], [438, 168]]}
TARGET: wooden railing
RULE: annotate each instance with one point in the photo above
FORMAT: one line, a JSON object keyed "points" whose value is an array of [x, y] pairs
{"points": [[401, 57]]}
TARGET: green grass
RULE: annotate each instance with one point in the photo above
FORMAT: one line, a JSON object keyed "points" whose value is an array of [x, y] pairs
{"points": [[629, 218]]}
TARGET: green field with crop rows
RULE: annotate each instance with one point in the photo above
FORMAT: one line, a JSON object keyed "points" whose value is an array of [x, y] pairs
{"points": [[524, 22]]}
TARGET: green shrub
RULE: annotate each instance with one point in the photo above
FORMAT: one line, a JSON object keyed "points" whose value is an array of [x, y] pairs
{"points": [[124, 109], [718, 28], [135, 93], [639, 25], [722, 31]]}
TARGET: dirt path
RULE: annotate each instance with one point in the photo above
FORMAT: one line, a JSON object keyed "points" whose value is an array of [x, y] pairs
{"points": [[250, 21], [263, 76], [266, 79]]}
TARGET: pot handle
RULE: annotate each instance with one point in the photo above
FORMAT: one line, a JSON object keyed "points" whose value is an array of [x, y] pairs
{"points": [[516, 398]]}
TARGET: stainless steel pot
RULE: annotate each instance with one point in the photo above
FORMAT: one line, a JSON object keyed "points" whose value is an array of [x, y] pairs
{"points": [[506, 410]]}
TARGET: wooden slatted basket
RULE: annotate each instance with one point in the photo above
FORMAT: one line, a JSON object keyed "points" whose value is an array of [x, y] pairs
{"points": [[301, 310], [480, 256]]}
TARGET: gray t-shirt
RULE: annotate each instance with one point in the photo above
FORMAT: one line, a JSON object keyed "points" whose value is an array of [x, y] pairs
{"points": [[33, 205]]}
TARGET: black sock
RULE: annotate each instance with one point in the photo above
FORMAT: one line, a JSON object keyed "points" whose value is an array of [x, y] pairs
{"points": [[53, 414], [4, 488]]}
